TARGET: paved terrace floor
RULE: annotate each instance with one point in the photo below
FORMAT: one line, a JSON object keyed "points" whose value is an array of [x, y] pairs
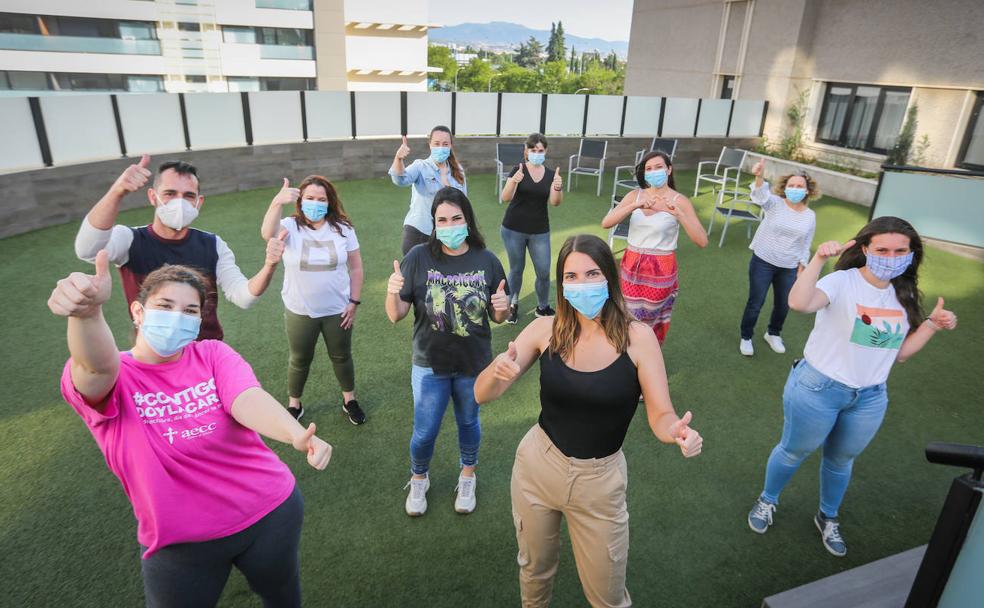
{"points": [[67, 534]]}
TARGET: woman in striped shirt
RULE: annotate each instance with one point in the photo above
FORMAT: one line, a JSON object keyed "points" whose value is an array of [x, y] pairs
{"points": [[780, 251]]}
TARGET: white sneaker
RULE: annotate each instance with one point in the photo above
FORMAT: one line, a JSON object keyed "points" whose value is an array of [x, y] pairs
{"points": [[746, 348], [417, 498], [775, 343], [466, 501]]}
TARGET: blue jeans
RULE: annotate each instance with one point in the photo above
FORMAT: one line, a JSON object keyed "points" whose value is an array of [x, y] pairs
{"points": [[819, 411], [431, 393], [761, 275], [539, 245]]}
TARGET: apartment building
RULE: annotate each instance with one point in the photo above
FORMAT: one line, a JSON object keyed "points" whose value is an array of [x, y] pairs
{"points": [[859, 65]]}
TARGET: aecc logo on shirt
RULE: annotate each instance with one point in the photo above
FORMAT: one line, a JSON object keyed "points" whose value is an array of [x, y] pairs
{"points": [[192, 433]]}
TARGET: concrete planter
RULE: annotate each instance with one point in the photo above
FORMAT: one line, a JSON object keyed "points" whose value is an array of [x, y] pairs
{"points": [[846, 187]]}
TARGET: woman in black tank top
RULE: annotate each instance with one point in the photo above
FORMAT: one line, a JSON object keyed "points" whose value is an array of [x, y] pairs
{"points": [[595, 360]]}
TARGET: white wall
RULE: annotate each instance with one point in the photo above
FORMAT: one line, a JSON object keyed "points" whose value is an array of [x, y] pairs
{"points": [[384, 53], [215, 120], [520, 114], [713, 120], [151, 123], [329, 114], [19, 149], [409, 12], [244, 12], [90, 63], [475, 113], [642, 116], [276, 117], [679, 117], [244, 60], [103, 9], [604, 115], [565, 115], [425, 110], [377, 113], [80, 128]]}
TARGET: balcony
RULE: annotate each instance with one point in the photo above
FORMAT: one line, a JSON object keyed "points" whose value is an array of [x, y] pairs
{"points": [[78, 44], [290, 5], [280, 51]]}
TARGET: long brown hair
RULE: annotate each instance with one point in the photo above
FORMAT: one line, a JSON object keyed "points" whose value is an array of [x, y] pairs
{"points": [[640, 169], [456, 170], [453, 196], [907, 284], [336, 211], [614, 318]]}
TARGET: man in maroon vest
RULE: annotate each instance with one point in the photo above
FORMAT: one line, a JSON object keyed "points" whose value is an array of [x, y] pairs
{"points": [[176, 199]]}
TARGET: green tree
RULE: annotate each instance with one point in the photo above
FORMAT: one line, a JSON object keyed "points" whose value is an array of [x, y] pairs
{"points": [[528, 54], [556, 48], [475, 76], [442, 57], [899, 154], [573, 63]]}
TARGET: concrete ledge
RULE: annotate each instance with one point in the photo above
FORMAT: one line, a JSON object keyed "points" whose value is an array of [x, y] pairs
{"points": [[45, 197], [884, 583], [844, 186]]}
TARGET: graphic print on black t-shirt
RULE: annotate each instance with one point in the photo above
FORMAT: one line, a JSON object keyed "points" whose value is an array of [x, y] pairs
{"points": [[456, 303]]}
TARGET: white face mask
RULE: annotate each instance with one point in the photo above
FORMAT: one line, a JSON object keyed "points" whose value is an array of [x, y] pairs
{"points": [[177, 213]]}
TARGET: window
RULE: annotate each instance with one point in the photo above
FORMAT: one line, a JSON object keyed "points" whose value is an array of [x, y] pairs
{"points": [[188, 26], [89, 82], [12, 23], [284, 36], [25, 81], [144, 84], [136, 30], [727, 87], [246, 35], [862, 117], [972, 150], [195, 78], [287, 84], [241, 83]]}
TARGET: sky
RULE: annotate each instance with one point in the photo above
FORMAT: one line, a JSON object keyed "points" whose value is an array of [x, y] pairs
{"points": [[607, 19]]}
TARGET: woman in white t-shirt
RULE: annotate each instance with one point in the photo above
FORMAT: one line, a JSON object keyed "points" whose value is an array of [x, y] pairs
{"points": [[869, 316], [322, 284], [780, 251]]}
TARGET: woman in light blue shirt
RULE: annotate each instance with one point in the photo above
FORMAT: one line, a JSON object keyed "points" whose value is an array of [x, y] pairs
{"points": [[427, 176]]}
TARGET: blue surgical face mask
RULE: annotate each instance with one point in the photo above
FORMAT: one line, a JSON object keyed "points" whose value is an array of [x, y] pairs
{"points": [[657, 178], [452, 236], [795, 195], [536, 158], [439, 155], [587, 298], [314, 210], [887, 268], [167, 331]]}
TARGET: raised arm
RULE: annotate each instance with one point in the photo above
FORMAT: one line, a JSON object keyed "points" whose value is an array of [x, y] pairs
{"points": [[632, 201], [398, 170], [95, 359], [506, 368], [257, 410], [97, 231], [396, 306], [663, 420], [805, 296], [556, 189], [271, 219], [939, 319], [509, 189], [683, 210], [499, 303], [760, 194]]}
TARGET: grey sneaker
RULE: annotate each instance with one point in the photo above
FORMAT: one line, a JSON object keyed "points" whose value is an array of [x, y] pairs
{"points": [[830, 534], [465, 502], [760, 517], [417, 498]]}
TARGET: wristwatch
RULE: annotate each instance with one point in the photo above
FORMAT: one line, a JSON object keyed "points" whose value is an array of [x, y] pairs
{"points": [[356, 302]]}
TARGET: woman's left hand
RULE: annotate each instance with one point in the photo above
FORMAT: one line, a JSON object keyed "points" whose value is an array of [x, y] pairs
{"points": [[673, 209], [318, 450], [558, 181], [688, 439], [348, 316], [500, 301], [942, 318]]}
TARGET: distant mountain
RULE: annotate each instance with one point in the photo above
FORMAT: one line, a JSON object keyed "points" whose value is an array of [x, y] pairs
{"points": [[500, 35]]}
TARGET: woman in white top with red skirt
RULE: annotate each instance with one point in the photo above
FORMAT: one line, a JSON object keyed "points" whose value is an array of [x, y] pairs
{"points": [[656, 211]]}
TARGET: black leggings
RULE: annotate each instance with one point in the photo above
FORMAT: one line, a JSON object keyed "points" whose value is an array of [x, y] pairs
{"points": [[192, 575], [412, 237]]}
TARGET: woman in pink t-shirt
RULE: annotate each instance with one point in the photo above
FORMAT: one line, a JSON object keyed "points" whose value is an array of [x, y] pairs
{"points": [[178, 423]]}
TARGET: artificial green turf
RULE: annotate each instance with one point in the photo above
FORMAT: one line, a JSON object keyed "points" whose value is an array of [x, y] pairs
{"points": [[67, 535]]}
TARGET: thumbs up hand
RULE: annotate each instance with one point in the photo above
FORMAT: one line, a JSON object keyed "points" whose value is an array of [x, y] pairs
{"points": [[81, 295], [832, 248], [287, 195], [404, 150], [518, 175], [318, 450], [688, 439], [758, 167], [500, 301], [506, 368], [275, 248], [558, 181], [395, 284], [942, 318], [133, 177]]}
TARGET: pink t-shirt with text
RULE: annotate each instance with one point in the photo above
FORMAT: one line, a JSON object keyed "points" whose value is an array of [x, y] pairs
{"points": [[191, 472]]}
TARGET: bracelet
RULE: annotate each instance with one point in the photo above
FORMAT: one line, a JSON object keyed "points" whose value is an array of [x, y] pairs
{"points": [[932, 325], [561, 189], [354, 301]]}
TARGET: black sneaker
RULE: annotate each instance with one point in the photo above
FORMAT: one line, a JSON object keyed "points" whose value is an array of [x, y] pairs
{"points": [[546, 311], [296, 412], [355, 414], [513, 314]]}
